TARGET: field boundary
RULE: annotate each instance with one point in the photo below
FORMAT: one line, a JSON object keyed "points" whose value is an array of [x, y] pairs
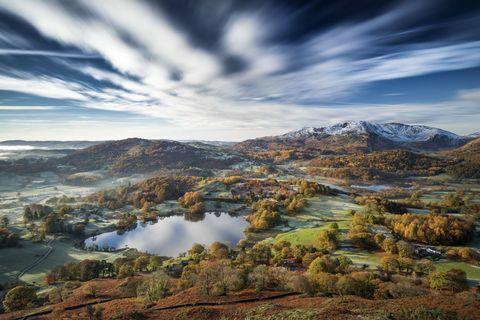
{"points": [[36, 262]]}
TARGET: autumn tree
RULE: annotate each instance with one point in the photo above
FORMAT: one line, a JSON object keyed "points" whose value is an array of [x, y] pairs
{"points": [[19, 298]]}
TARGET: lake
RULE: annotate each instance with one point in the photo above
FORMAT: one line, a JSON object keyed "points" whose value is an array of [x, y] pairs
{"points": [[173, 235], [373, 187]]}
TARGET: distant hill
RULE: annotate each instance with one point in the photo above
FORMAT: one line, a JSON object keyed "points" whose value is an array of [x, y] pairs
{"points": [[140, 155], [469, 150], [468, 157], [358, 136]]}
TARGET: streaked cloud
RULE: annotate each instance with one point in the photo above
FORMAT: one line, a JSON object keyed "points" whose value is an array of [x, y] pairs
{"points": [[251, 71]]}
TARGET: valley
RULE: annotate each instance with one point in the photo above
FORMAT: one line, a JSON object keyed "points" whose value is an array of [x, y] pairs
{"points": [[356, 209]]}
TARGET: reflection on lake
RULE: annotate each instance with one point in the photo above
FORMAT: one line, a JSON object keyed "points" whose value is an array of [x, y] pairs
{"points": [[373, 187], [173, 235]]}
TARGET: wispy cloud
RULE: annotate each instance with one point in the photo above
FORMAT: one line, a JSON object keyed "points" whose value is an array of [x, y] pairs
{"points": [[23, 108], [23, 52], [157, 69]]}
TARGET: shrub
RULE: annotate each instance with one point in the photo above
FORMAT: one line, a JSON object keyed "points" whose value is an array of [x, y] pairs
{"points": [[196, 249], [425, 314], [390, 290], [330, 264], [219, 250], [356, 283], [323, 283], [215, 278], [300, 283], [70, 285], [55, 295], [405, 250], [129, 286], [89, 290], [263, 277], [125, 271], [154, 289], [453, 279], [95, 312], [19, 298]]}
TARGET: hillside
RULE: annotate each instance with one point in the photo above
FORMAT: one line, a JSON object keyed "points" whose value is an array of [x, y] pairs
{"points": [[358, 136], [113, 301], [468, 157], [379, 165], [468, 151], [140, 155]]}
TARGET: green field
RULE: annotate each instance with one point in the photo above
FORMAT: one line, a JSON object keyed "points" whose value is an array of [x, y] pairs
{"points": [[16, 259], [361, 257], [473, 272], [320, 213], [305, 236]]}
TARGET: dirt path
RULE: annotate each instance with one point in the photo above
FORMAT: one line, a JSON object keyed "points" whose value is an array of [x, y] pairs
{"points": [[36, 262]]}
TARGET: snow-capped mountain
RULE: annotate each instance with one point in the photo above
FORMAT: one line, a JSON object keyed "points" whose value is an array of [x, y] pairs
{"points": [[359, 136], [392, 131]]}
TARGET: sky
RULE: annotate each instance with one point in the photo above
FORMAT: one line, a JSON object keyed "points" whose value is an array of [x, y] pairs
{"points": [[232, 70]]}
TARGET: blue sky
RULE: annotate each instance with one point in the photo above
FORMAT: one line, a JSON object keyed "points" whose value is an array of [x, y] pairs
{"points": [[232, 70]]}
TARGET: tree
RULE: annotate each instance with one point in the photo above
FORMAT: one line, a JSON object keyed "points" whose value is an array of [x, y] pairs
{"points": [[389, 264], [264, 215], [453, 279], [389, 245], [141, 263], [320, 264], [215, 278], [406, 264], [405, 249], [89, 269], [432, 229], [125, 271], [259, 277], [193, 201], [19, 298], [327, 239], [356, 283], [323, 283], [424, 266], [155, 262], [219, 250], [49, 278], [260, 253]]}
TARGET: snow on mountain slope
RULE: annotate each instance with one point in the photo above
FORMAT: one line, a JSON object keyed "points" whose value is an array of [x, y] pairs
{"points": [[397, 132]]}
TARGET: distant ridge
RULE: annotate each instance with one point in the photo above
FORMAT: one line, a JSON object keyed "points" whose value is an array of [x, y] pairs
{"points": [[359, 136]]}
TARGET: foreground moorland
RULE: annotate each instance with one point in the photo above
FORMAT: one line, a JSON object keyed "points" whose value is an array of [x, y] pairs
{"points": [[357, 220]]}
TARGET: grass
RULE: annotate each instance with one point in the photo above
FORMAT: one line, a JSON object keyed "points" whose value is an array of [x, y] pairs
{"points": [[305, 236], [473, 272], [330, 207], [264, 312], [320, 213], [361, 257], [15, 259]]}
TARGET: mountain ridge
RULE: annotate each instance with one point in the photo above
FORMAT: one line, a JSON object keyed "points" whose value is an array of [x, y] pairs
{"points": [[361, 136]]}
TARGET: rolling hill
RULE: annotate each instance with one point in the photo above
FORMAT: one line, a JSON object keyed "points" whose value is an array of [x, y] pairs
{"points": [[140, 155]]}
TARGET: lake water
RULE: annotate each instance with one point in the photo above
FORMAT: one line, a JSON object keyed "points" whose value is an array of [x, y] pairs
{"points": [[373, 187], [173, 235]]}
